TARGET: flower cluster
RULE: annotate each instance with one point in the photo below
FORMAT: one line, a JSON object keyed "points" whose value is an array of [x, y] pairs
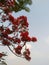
{"points": [[15, 35], [18, 49], [20, 34], [25, 37], [20, 20]]}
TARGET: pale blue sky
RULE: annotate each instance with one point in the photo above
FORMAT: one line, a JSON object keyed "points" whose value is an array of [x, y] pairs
{"points": [[38, 26]]}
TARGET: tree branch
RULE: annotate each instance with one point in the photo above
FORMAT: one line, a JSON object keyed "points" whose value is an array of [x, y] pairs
{"points": [[15, 53]]}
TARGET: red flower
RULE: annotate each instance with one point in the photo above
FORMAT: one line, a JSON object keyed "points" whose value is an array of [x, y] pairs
{"points": [[4, 35], [26, 38], [24, 33], [6, 32], [25, 24], [27, 57], [27, 52], [17, 40], [22, 20], [34, 39], [11, 18], [18, 49], [6, 42]]}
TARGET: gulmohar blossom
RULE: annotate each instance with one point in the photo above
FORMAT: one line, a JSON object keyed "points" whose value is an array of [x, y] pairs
{"points": [[15, 35]]}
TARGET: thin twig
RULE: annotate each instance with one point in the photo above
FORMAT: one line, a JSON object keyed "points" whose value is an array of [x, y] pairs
{"points": [[15, 53]]}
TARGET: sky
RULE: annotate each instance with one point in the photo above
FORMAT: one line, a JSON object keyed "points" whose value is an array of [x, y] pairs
{"points": [[38, 19]]}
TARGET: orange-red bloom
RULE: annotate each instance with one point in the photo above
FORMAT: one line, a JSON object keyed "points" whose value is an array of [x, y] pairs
{"points": [[25, 37], [7, 31], [24, 33], [34, 39], [6, 42], [18, 49], [22, 20], [27, 57], [27, 52], [11, 18], [17, 40]]}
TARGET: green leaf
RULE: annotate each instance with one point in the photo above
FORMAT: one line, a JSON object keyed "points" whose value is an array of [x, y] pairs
{"points": [[29, 2], [27, 9], [21, 5]]}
